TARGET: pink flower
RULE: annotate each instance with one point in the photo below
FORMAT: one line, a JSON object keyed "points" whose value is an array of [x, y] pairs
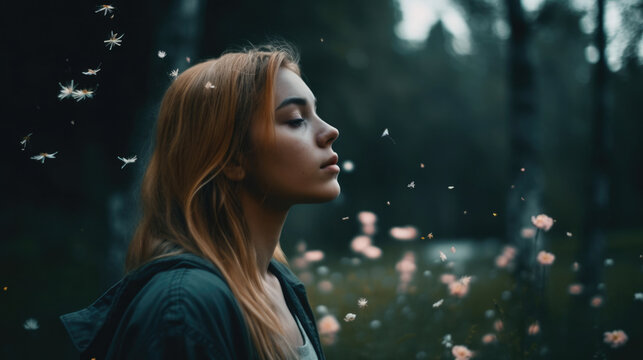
{"points": [[461, 352], [325, 286], [407, 264], [533, 329], [300, 262], [313, 255], [509, 251], [615, 338], [458, 288], [498, 325], [489, 338], [360, 243], [502, 261], [596, 301], [528, 233], [575, 289], [328, 326], [368, 229], [367, 217], [447, 278], [542, 221], [545, 258], [372, 252], [404, 233]]}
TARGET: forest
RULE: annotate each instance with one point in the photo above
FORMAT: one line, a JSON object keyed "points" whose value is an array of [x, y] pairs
{"points": [[491, 183]]}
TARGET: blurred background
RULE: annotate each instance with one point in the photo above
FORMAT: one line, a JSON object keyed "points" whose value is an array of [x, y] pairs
{"points": [[459, 120]]}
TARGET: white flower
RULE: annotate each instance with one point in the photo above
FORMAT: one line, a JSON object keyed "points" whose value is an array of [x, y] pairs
{"points": [[24, 140], [113, 40], [66, 91], [349, 317], [82, 94], [126, 160], [31, 324], [41, 157], [161, 54], [174, 73], [361, 302], [106, 9], [438, 303]]}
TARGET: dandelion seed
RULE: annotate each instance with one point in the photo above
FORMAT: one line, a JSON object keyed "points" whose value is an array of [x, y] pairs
{"points": [[411, 185], [92, 71], [430, 236], [438, 303], [161, 54], [113, 40], [542, 221], [345, 218], [388, 203], [82, 94], [208, 85], [41, 157], [615, 338], [568, 234], [24, 141], [126, 160], [349, 317], [385, 133], [453, 249], [362, 302], [66, 91], [174, 73], [31, 324], [106, 9], [442, 256], [451, 187]]}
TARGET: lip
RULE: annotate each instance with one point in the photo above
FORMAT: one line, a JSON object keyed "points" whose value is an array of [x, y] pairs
{"points": [[334, 168], [331, 161]]}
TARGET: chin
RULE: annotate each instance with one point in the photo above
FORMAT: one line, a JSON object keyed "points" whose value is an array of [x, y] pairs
{"points": [[328, 194]]}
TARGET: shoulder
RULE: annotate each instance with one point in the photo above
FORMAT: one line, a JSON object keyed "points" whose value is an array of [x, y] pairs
{"points": [[188, 305]]}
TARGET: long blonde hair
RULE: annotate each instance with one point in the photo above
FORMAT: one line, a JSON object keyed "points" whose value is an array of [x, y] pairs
{"points": [[188, 204]]}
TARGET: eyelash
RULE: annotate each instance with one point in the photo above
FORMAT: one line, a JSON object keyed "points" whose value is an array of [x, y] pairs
{"points": [[296, 122]]}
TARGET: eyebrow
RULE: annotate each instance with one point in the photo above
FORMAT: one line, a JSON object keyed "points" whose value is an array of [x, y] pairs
{"points": [[294, 100]]}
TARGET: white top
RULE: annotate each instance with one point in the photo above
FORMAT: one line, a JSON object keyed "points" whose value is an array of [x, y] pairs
{"points": [[306, 351]]}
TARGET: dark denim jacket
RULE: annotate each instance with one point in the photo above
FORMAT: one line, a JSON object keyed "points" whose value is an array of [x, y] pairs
{"points": [[178, 307]]}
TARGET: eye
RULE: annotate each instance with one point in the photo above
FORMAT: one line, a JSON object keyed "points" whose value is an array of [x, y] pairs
{"points": [[296, 123]]}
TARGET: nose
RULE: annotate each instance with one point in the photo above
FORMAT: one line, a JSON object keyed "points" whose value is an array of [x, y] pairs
{"points": [[328, 135]]}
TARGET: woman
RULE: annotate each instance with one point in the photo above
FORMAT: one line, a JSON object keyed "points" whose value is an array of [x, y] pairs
{"points": [[238, 143]]}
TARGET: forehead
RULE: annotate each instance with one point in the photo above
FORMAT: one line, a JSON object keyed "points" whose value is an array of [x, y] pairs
{"points": [[288, 84]]}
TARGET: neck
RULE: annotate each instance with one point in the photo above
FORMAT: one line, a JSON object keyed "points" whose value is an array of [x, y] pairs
{"points": [[265, 223]]}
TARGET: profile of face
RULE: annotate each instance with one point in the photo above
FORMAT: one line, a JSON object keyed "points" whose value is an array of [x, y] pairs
{"points": [[300, 165]]}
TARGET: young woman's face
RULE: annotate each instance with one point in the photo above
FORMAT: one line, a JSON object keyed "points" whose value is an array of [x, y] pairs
{"points": [[293, 169]]}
